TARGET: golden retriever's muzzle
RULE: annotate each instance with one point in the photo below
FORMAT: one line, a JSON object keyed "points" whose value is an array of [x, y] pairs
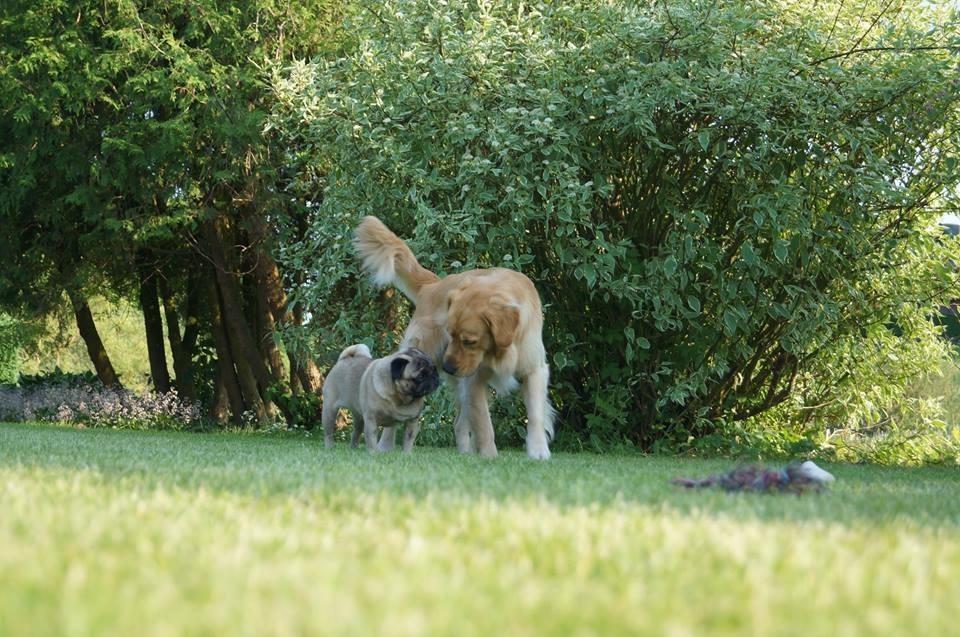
{"points": [[450, 367]]}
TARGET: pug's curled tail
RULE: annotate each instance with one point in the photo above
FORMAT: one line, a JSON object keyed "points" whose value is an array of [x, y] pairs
{"points": [[388, 259], [355, 350]]}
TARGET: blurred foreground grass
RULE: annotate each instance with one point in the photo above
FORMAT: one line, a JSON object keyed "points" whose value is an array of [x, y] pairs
{"points": [[124, 532]]}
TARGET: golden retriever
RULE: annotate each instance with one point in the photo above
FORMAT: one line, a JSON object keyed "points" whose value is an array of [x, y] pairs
{"points": [[482, 327]]}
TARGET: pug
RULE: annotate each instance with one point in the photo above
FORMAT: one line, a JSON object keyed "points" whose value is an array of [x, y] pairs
{"points": [[378, 392]]}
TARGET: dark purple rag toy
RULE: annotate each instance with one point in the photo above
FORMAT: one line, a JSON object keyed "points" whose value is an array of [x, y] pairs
{"points": [[794, 478]]}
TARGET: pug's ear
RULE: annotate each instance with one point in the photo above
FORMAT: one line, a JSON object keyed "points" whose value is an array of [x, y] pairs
{"points": [[503, 319], [397, 365]]}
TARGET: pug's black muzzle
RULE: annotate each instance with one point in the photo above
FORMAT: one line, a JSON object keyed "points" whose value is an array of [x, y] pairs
{"points": [[426, 382]]}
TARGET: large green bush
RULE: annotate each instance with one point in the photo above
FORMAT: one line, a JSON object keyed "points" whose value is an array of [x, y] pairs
{"points": [[10, 341], [727, 207]]}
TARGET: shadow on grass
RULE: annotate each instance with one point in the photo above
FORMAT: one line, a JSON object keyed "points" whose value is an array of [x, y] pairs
{"points": [[284, 465]]}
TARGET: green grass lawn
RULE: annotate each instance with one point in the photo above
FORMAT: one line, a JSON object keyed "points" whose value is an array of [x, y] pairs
{"points": [[107, 532]]}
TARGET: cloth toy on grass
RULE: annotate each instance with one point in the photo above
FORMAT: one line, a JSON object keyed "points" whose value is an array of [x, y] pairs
{"points": [[794, 478]]}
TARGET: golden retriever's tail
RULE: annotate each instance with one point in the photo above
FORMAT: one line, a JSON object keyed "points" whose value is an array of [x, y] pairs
{"points": [[355, 350], [388, 260]]}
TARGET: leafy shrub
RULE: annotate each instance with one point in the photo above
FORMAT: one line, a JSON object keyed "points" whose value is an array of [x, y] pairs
{"points": [[59, 378], [9, 350], [937, 443], [726, 208]]}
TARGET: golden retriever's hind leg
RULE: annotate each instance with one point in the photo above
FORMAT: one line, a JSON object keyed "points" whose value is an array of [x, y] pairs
{"points": [[388, 439], [539, 413]]}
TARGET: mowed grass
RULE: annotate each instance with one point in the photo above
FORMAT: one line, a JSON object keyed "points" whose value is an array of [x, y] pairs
{"points": [[107, 532]]}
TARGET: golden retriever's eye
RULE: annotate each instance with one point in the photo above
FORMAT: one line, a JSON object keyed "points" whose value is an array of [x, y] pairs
{"points": [[467, 342]]}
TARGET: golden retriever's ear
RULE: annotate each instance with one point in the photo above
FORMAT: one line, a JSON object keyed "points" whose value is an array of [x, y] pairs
{"points": [[452, 296], [503, 319]]}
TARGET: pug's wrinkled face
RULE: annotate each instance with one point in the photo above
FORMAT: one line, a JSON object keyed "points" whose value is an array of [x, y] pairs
{"points": [[414, 374]]}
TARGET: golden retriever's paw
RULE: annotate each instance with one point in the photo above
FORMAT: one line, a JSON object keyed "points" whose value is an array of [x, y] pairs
{"points": [[537, 452], [489, 452]]}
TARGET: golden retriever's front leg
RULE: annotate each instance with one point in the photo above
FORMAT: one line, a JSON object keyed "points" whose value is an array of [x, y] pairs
{"points": [[461, 430], [539, 413], [475, 414], [461, 426]]}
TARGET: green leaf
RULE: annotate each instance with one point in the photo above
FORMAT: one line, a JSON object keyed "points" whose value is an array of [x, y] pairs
{"points": [[780, 250], [590, 274], [704, 138], [729, 322], [670, 265]]}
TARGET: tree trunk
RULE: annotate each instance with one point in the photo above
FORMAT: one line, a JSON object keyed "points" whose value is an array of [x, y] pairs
{"points": [[307, 371], [91, 338], [153, 324], [191, 330], [181, 357], [220, 405], [242, 340], [225, 370], [295, 386], [304, 374], [267, 341], [268, 274], [310, 375], [263, 409], [271, 298], [243, 346]]}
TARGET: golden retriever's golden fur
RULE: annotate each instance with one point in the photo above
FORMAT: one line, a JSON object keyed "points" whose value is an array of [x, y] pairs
{"points": [[483, 327]]}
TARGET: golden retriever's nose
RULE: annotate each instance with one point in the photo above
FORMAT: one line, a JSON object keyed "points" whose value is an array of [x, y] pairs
{"points": [[450, 368]]}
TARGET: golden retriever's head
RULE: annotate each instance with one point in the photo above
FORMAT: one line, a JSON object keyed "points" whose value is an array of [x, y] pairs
{"points": [[480, 325]]}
